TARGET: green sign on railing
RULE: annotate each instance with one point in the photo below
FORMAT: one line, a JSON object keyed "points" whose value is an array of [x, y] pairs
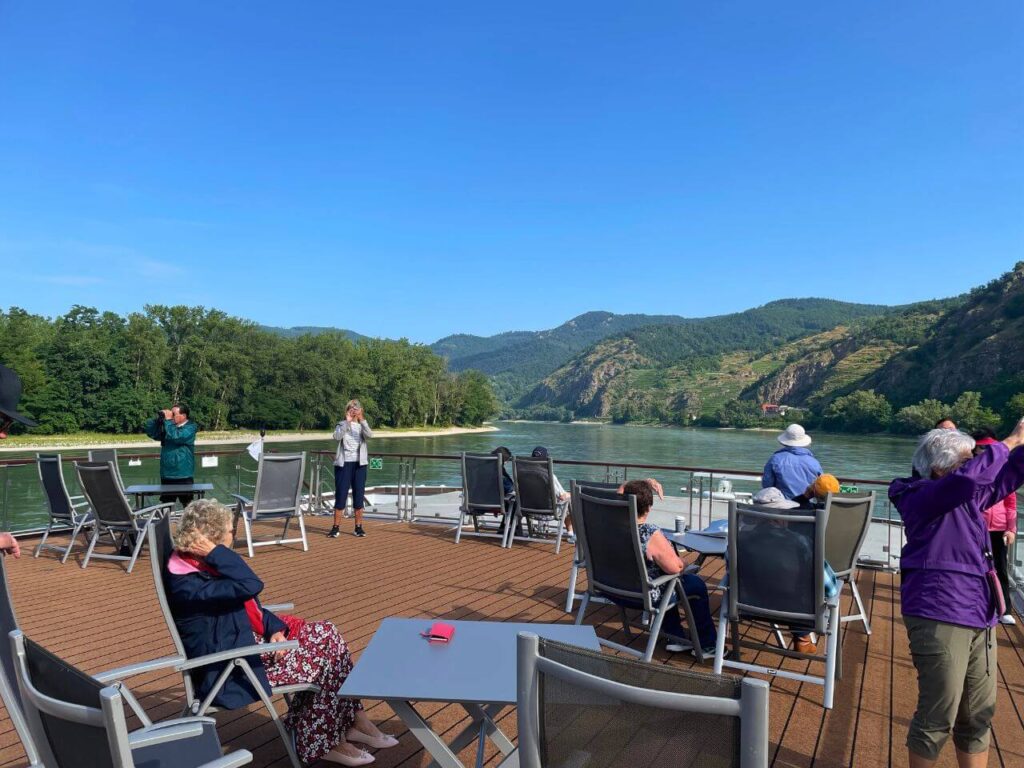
{"points": [[376, 463], [849, 489]]}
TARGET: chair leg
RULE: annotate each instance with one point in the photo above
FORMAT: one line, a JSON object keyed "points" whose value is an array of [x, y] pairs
{"points": [[723, 626], [831, 649], [655, 633], [248, 534], [71, 543], [302, 530], [558, 536], [583, 608], [458, 528], [573, 575], [140, 541], [860, 607], [42, 541], [92, 546]]}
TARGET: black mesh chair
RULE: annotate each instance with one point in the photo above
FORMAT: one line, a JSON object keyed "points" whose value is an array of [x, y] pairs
{"points": [[108, 454], [66, 511], [483, 493], [849, 517], [617, 571], [77, 722], [777, 576], [160, 549], [600, 490], [536, 500], [278, 497], [581, 709], [115, 518]]}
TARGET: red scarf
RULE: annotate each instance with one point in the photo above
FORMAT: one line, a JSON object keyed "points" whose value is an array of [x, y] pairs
{"points": [[252, 606]]}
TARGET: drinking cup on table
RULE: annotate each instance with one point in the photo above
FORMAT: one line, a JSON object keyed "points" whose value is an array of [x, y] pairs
{"points": [[680, 525]]}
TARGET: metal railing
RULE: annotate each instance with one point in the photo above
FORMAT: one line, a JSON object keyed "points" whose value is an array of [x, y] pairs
{"points": [[23, 509]]}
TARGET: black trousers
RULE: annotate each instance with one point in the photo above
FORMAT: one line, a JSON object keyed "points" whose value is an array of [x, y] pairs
{"points": [[1000, 557], [182, 498]]}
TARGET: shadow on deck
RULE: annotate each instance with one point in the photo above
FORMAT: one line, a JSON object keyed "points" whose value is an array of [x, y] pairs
{"points": [[101, 618]]}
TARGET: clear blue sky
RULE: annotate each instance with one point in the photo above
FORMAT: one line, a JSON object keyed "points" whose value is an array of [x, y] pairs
{"points": [[417, 169]]}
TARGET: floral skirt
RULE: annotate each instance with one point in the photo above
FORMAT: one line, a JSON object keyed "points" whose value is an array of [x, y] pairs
{"points": [[318, 720]]}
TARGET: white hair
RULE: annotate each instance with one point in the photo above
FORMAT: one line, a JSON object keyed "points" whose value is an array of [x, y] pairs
{"points": [[941, 450]]}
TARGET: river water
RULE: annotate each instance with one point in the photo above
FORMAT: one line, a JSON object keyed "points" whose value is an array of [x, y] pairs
{"points": [[870, 458]]}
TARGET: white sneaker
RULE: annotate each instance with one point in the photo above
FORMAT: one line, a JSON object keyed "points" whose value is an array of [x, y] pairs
{"points": [[1007, 618], [682, 647]]}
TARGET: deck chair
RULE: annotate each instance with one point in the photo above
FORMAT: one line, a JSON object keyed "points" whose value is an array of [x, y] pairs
{"points": [[77, 721], [277, 497], [160, 548], [108, 454], [115, 518], [536, 501], [603, 490], [617, 571], [66, 511], [579, 708], [483, 493], [9, 690], [849, 517], [777, 576]]}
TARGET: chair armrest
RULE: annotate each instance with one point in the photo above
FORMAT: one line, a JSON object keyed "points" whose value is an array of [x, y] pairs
{"points": [[236, 758], [238, 653], [119, 673], [279, 607], [172, 730], [76, 497], [661, 580], [241, 499]]}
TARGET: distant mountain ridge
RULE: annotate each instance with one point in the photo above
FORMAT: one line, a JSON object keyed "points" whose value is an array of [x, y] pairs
{"points": [[311, 330]]}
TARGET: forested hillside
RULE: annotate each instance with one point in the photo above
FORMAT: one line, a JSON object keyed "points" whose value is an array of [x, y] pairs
{"points": [[898, 370], [89, 370]]}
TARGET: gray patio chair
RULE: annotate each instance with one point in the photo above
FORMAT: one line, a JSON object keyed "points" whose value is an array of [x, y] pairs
{"points": [[579, 709], [115, 517], [277, 497], [77, 721], [601, 490], [8, 672], [849, 517], [108, 454], [536, 500], [776, 561], [160, 549], [617, 571], [483, 493], [66, 511]]}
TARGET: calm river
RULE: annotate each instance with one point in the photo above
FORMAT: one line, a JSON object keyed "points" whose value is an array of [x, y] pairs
{"points": [[872, 458]]}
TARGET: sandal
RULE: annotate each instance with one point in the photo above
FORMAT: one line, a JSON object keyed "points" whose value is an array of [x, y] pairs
{"points": [[384, 741]]}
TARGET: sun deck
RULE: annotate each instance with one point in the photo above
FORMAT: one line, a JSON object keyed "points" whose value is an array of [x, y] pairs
{"points": [[101, 618]]}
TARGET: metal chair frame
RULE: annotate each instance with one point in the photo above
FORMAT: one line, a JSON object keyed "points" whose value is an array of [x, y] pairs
{"points": [[255, 510], [751, 708], [80, 517], [840, 555], [472, 507], [578, 562], [554, 511], [825, 621]]}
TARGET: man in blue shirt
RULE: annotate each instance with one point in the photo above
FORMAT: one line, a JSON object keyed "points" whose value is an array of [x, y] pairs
{"points": [[793, 467]]}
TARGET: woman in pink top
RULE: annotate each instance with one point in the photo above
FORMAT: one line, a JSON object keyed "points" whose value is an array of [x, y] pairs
{"points": [[1001, 519]]}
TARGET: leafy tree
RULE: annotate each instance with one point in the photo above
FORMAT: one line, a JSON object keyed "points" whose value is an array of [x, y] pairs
{"points": [[970, 415], [1013, 412], [861, 411], [919, 418]]}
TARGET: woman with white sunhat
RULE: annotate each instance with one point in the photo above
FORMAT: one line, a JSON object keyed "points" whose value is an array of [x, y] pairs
{"points": [[793, 467]]}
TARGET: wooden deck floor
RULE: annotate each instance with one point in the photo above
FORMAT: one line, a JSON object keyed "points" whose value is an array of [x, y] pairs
{"points": [[101, 618]]}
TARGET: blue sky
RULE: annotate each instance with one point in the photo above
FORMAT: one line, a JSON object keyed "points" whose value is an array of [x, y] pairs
{"points": [[418, 169]]}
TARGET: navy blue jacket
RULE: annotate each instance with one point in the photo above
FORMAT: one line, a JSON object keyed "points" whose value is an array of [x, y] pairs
{"points": [[210, 614]]}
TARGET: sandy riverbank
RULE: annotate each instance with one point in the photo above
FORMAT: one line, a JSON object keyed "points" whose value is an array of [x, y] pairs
{"points": [[216, 438]]}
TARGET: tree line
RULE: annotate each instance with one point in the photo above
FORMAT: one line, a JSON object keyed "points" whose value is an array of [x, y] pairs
{"points": [[99, 371]]}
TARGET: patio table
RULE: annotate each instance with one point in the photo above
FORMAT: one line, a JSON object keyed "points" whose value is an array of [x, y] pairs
{"points": [[140, 492], [476, 670]]}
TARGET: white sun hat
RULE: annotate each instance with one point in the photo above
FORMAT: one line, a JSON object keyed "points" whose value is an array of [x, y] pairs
{"points": [[795, 436], [772, 497]]}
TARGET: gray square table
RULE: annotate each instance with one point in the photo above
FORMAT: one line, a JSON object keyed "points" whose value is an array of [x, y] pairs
{"points": [[704, 545], [476, 670]]}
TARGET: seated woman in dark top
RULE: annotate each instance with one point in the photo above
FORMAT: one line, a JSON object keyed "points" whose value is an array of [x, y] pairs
{"points": [[213, 595]]}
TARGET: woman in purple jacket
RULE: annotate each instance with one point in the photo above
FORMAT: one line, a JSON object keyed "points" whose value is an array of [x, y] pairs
{"points": [[949, 596]]}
